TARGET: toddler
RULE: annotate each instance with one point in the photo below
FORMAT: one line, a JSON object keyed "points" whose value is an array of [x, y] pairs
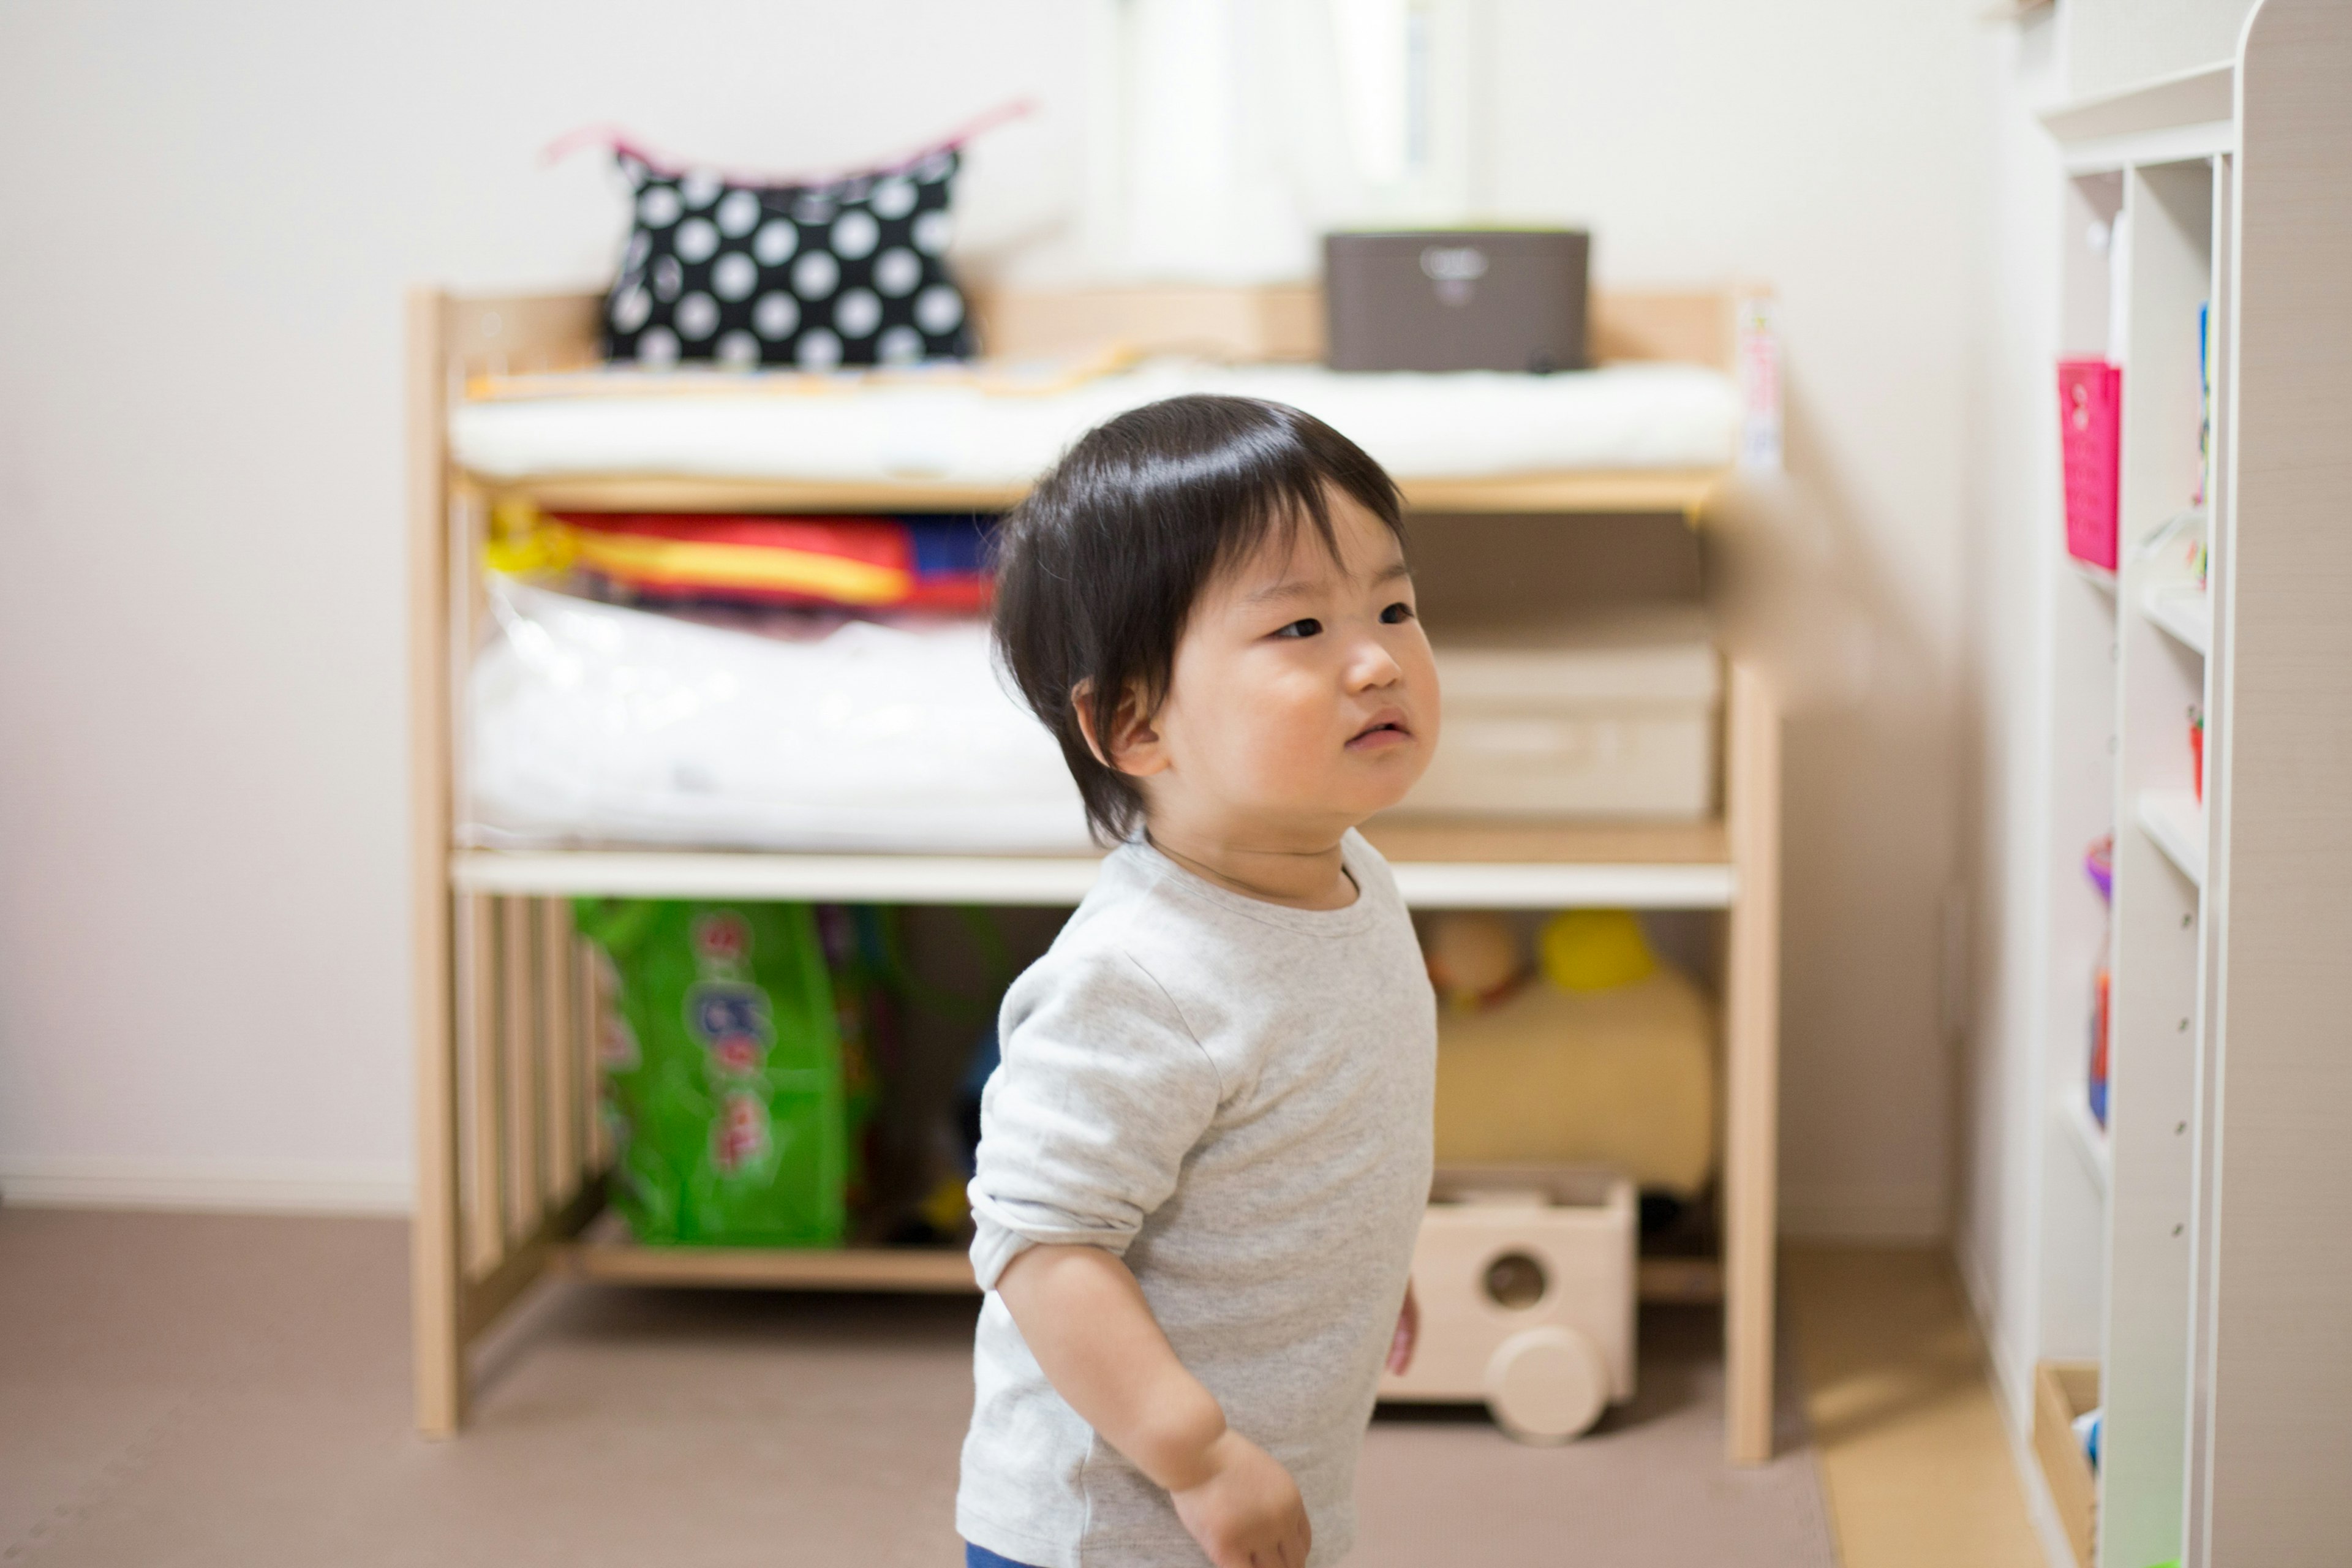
{"points": [[1205, 1159]]}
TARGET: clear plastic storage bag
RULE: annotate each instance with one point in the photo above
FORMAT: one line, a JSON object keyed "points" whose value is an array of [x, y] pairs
{"points": [[593, 722]]}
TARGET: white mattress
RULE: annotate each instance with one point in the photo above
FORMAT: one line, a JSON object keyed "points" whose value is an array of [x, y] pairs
{"points": [[952, 431], [594, 723]]}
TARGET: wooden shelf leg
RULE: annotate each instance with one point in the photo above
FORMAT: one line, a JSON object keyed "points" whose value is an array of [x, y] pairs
{"points": [[433, 1267], [520, 1058], [1752, 1056], [435, 1280], [559, 1051]]}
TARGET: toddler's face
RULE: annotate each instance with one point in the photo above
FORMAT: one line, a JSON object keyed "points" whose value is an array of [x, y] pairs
{"points": [[1303, 693]]}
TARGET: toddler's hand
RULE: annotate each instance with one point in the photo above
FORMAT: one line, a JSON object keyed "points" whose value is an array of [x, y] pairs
{"points": [[1408, 1329], [1245, 1511]]}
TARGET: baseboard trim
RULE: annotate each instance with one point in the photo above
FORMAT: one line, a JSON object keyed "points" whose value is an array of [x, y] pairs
{"points": [[1894, 1217], [271, 1187], [2012, 1372]]}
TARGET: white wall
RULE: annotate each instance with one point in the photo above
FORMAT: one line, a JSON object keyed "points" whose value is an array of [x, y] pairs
{"points": [[201, 980], [2013, 523], [213, 214], [1831, 150], [2116, 44]]}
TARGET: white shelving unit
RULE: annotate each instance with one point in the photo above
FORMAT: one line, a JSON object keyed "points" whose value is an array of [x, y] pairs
{"points": [[2221, 1335], [2175, 820], [2183, 611], [2147, 215], [2090, 1140]]}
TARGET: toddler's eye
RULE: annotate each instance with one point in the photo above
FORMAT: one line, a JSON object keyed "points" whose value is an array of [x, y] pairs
{"points": [[1396, 614], [1302, 628]]}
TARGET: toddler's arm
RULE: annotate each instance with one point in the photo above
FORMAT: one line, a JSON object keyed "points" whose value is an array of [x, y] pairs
{"points": [[1086, 1321]]}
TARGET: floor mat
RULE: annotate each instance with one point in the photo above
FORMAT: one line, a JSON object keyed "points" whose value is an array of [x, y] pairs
{"points": [[246, 1399]]}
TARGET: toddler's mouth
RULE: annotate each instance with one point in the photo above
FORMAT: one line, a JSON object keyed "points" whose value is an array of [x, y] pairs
{"points": [[1386, 730]]}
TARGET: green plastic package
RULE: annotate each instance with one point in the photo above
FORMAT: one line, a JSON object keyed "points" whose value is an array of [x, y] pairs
{"points": [[723, 1072]]}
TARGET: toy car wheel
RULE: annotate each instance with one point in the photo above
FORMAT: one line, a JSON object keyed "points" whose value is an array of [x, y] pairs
{"points": [[1547, 1385]]}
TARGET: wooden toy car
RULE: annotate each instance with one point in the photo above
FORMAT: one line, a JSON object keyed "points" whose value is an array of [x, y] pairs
{"points": [[1525, 1278]]}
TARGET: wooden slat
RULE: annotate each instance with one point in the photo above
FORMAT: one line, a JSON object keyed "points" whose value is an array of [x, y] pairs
{"points": [[1682, 492], [1680, 1280], [2062, 1391], [485, 1190], [592, 1002], [436, 1261], [488, 1298], [559, 1051], [519, 1052], [1751, 1055], [775, 1269], [515, 334], [678, 492], [1683, 326], [1556, 841]]}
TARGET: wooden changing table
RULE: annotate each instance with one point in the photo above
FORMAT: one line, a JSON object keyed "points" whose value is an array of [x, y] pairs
{"points": [[509, 1159]]}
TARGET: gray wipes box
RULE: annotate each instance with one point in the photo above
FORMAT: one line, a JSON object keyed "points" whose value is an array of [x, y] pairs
{"points": [[1456, 299]]}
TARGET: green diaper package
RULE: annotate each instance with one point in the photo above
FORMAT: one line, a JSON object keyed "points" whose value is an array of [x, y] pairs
{"points": [[723, 1065]]}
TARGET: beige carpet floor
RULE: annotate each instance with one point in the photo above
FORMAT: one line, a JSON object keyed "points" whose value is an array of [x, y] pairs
{"points": [[179, 1391]]}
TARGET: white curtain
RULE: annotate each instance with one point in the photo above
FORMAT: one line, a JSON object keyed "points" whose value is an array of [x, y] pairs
{"points": [[1227, 135]]}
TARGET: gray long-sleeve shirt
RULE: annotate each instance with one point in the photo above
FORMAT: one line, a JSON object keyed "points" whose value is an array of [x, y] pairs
{"points": [[1235, 1096]]}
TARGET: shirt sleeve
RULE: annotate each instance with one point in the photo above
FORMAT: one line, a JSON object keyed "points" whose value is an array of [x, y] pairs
{"points": [[1101, 1092]]}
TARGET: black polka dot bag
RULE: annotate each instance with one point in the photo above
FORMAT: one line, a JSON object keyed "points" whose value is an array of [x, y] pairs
{"points": [[851, 271]]}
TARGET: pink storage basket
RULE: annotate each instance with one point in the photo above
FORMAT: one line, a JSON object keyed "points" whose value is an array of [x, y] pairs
{"points": [[2090, 420]]}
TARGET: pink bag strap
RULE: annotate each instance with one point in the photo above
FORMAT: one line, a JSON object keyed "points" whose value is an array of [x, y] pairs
{"points": [[614, 140]]}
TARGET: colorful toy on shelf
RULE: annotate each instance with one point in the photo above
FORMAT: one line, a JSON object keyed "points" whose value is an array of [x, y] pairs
{"points": [[2098, 864], [1524, 1276], [2090, 410], [2204, 404], [921, 563], [1600, 1055], [2182, 540], [2086, 1433], [2197, 750]]}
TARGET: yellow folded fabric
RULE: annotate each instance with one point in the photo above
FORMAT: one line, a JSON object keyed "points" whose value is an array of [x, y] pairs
{"points": [[647, 560], [1623, 1078]]}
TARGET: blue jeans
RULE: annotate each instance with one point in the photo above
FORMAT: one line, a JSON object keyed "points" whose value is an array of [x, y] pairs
{"points": [[981, 1557]]}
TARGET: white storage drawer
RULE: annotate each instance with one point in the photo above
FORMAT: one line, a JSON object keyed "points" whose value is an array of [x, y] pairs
{"points": [[1617, 718]]}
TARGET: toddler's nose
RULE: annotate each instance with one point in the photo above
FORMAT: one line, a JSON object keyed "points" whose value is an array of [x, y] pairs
{"points": [[1372, 666]]}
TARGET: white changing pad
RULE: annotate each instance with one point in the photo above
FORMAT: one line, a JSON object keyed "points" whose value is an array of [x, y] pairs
{"points": [[1462, 425], [596, 723]]}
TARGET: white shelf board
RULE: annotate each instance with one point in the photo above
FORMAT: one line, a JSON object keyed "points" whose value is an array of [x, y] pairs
{"points": [[1529, 885], [2182, 610], [1041, 879], [2190, 115], [2103, 578], [1044, 880], [2175, 820], [2089, 1139]]}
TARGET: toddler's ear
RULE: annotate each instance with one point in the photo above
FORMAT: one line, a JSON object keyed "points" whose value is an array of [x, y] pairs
{"points": [[1133, 746]]}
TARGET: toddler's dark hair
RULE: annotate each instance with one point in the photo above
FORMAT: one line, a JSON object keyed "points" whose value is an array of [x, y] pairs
{"points": [[1098, 569]]}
